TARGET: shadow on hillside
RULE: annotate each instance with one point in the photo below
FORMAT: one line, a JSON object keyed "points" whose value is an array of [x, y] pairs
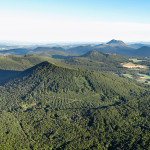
{"points": [[6, 75]]}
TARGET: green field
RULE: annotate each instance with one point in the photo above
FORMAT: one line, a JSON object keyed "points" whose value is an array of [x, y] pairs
{"points": [[144, 75], [136, 60], [128, 75], [143, 78]]}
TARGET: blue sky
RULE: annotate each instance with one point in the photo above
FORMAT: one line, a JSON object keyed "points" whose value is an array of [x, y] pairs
{"points": [[74, 20]]}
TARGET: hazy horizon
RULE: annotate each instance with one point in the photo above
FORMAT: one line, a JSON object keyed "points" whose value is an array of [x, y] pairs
{"points": [[11, 42], [27, 43], [64, 21]]}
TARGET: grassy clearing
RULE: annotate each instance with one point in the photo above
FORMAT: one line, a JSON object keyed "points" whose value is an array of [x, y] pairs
{"points": [[143, 81], [128, 75], [136, 60], [144, 76]]}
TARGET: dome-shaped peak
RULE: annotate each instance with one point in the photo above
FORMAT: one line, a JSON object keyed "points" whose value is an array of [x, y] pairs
{"points": [[114, 42], [91, 53]]}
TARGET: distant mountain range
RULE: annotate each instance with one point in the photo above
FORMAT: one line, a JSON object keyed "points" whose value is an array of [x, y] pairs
{"points": [[143, 52], [48, 51], [17, 51], [117, 47], [139, 45], [113, 46]]}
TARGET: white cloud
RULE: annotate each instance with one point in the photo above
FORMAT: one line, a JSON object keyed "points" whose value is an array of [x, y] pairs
{"points": [[49, 29]]}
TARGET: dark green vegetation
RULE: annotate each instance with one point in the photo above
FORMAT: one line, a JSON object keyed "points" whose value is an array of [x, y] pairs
{"points": [[6, 75], [53, 107], [11, 65], [111, 63], [20, 63], [97, 61], [93, 60]]}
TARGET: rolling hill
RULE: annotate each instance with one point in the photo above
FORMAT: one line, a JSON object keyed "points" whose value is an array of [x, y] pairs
{"points": [[17, 51], [54, 79], [10, 66], [48, 51], [20, 62], [139, 45], [80, 50], [52, 107], [94, 60], [143, 52]]}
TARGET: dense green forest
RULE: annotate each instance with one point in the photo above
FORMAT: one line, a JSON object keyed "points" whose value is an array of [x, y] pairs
{"points": [[93, 60], [20, 62], [11, 65], [97, 61], [53, 107]]}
